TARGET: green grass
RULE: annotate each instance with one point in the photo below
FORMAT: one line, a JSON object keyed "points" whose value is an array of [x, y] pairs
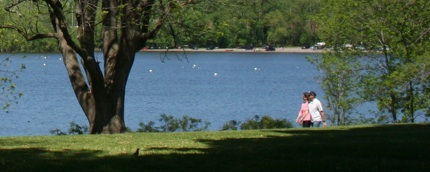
{"points": [[359, 148]]}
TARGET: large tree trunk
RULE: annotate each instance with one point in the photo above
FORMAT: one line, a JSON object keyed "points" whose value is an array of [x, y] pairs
{"points": [[103, 99], [125, 31]]}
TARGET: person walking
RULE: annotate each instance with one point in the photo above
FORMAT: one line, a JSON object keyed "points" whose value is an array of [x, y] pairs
{"points": [[304, 117], [316, 110]]}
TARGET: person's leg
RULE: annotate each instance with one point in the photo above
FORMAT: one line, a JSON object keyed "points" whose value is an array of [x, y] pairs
{"points": [[317, 123], [306, 124]]}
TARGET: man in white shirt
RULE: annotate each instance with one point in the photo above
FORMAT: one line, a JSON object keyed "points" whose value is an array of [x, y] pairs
{"points": [[316, 110]]}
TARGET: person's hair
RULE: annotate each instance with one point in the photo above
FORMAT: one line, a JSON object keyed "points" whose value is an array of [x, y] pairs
{"points": [[312, 93], [305, 94]]}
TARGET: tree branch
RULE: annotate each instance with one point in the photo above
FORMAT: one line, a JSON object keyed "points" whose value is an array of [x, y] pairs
{"points": [[30, 38], [14, 4], [170, 6], [62, 25], [160, 21]]}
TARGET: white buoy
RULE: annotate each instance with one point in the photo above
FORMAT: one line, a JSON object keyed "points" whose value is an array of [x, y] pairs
{"points": [[150, 70], [215, 74]]}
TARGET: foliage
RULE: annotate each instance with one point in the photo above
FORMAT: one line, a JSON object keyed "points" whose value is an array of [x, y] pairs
{"points": [[149, 127], [225, 24], [74, 129], [391, 38], [16, 17], [7, 87], [265, 122], [339, 82], [231, 125], [171, 124]]}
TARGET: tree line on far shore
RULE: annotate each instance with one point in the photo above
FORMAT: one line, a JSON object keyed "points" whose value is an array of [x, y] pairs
{"points": [[208, 24]]}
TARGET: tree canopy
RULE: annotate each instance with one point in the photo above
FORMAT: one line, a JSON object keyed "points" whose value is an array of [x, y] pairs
{"points": [[391, 39]]}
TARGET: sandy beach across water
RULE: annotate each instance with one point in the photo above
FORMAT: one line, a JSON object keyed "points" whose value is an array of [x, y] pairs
{"points": [[238, 50]]}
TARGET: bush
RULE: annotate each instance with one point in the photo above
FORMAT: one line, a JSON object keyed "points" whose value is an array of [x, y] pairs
{"points": [[147, 127], [77, 129], [74, 129], [231, 125], [266, 122], [171, 124]]}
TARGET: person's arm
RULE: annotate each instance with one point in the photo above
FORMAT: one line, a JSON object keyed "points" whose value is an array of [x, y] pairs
{"points": [[323, 118], [300, 117], [320, 108]]}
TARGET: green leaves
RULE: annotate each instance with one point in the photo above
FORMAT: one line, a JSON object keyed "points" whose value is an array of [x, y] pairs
{"points": [[264, 122], [171, 124], [392, 76], [8, 93], [340, 84]]}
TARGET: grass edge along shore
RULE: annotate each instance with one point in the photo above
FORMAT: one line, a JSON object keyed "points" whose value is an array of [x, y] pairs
{"points": [[240, 50], [393, 147]]}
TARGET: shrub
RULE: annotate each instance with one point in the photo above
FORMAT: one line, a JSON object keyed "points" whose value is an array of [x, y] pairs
{"points": [[265, 122], [77, 129], [171, 124], [231, 125], [147, 127], [74, 129]]}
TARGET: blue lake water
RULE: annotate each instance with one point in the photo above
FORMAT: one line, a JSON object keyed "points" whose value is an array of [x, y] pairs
{"points": [[215, 87]]}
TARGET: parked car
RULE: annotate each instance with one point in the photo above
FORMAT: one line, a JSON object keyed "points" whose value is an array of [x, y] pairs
{"points": [[306, 46], [269, 48], [320, 45]]}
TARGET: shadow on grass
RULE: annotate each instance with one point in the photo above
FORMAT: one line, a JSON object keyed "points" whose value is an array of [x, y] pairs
{"points": [[380, 148]]}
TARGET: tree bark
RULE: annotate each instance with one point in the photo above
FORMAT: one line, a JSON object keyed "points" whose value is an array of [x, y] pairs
{"points": [[101, 97]]}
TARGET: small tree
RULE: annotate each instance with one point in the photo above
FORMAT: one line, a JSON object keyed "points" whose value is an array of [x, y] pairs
{"points": [[395, 35], [340, 83], [265, 122]]}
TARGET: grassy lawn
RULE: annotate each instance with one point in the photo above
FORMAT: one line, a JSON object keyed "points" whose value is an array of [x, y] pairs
{"points": [[359, 148]]}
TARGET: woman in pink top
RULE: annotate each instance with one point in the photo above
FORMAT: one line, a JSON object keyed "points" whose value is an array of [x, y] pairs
{"points": [[304, 117]]}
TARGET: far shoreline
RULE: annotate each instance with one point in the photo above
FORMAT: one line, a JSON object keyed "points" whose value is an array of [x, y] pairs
{"points": [[239, 50]]}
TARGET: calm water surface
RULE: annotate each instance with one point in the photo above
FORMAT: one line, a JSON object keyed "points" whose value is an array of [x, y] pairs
{"points": [[215, 87]]}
